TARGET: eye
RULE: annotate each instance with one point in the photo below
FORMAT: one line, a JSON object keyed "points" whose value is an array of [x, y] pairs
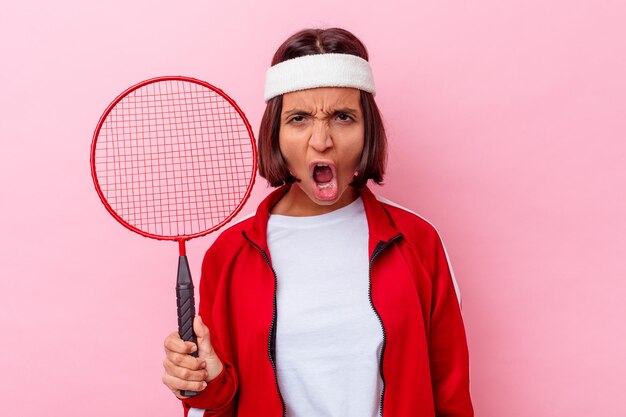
{"points": [[344, 117], [296, 119]]}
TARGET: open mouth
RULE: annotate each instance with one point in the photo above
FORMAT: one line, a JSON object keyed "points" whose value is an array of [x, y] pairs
{"points": [[322, 172], [324, 175]]}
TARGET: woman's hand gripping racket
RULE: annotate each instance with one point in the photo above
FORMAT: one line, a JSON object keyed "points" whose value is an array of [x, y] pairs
{"points": [[174, 158]]}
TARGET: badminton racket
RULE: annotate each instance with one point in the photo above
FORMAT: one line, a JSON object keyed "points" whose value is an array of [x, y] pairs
{"points": [[174, 158]]}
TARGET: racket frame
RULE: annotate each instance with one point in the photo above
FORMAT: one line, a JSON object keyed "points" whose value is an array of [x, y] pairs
{"points": [[180, 238]]}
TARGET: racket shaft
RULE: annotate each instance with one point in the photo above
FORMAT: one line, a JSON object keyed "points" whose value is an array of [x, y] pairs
{"points": [[185, 303]]}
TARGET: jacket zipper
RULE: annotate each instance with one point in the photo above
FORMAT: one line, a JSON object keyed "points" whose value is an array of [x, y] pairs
{"points": [[273, 325], [381, 246]]}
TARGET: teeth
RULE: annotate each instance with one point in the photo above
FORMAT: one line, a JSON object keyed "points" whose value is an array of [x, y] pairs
{"points": [[324, 186]]}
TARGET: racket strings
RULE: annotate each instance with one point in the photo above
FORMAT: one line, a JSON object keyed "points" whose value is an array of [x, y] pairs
{"points": [[174, 158]]}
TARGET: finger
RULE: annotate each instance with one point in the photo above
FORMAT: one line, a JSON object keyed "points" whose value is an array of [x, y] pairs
{"points": [[174, 383], [186, 361], [174, 343], [184, 373], [199, 328], [204, 340]]}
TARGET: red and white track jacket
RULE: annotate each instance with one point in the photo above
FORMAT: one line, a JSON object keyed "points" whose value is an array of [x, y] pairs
{"points": [[424, 363]]}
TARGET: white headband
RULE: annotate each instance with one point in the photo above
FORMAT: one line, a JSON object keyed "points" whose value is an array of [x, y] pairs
{"points": [[322, 70]]}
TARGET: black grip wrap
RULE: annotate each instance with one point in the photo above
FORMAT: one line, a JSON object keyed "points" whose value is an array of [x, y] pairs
{"points": [[185, 305], [186, 313]]}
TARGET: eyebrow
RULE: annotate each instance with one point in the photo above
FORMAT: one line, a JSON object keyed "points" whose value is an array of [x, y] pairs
{"points": [[295, 111], [340, 110], [346, 110]]}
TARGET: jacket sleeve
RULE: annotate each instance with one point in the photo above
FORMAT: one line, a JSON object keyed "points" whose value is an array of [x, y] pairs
{"points": [[448, 352], [218, 399]]}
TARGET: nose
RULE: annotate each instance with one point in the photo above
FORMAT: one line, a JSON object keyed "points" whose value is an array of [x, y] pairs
{"points": [[320, 139]]}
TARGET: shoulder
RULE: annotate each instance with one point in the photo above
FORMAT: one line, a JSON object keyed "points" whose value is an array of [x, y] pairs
{"points": [[409, 222], [230, 240], [422, 235]]}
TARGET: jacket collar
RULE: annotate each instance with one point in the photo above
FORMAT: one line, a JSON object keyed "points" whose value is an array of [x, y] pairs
{"points": [[378, 221], [380, 226], [257, 232]]}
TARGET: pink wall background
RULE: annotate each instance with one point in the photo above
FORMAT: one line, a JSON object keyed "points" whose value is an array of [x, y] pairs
{"points": [[507, 126]]}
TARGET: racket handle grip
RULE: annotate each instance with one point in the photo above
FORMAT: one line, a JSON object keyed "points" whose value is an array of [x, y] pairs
{"points": [[185, 306], [186, 313]]}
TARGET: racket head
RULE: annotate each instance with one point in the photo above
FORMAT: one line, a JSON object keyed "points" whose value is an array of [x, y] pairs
{"points": [[173, 158]]}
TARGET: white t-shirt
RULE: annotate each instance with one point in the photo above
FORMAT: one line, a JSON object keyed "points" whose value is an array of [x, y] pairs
{"points": [[328, 338]]}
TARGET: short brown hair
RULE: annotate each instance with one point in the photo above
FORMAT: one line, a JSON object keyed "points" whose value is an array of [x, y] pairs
{"points": [[272, 165]]}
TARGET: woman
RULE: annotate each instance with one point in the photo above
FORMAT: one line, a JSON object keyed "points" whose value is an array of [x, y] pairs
{"points": [[328, 301]]}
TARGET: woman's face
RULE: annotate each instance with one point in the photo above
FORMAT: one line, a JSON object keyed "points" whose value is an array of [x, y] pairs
{"points": [[321, 138]]}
